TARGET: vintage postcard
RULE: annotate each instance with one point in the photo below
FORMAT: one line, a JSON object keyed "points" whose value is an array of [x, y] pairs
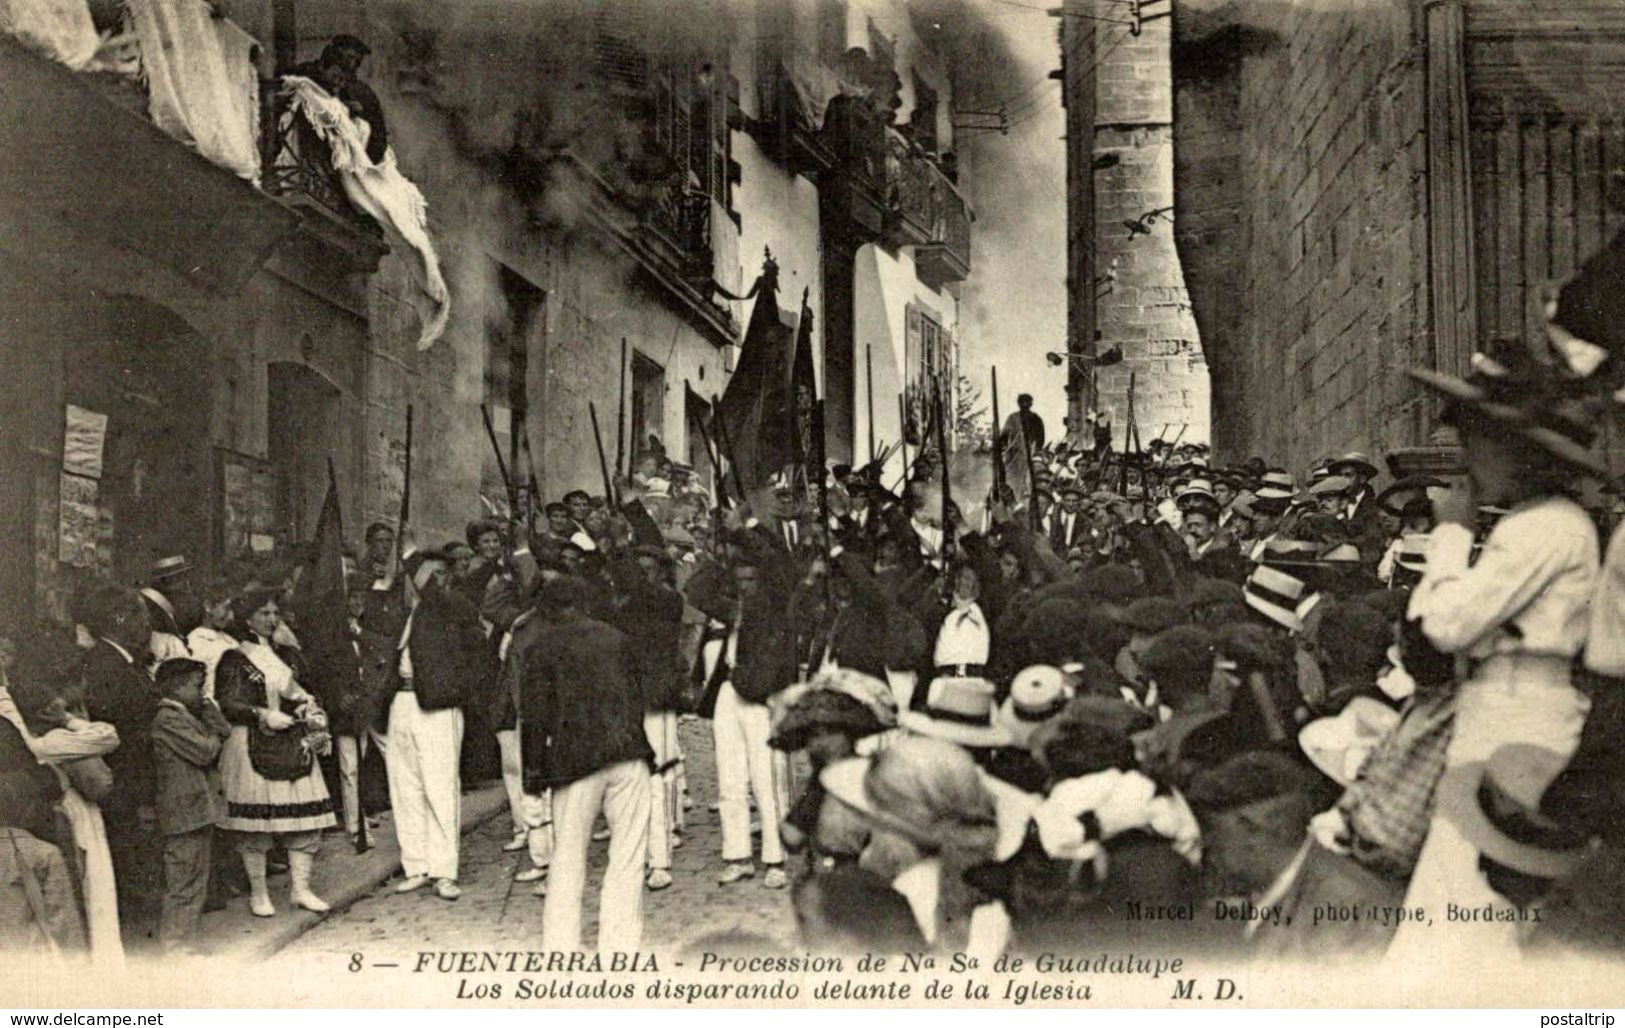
{"points": [[812, 504]]}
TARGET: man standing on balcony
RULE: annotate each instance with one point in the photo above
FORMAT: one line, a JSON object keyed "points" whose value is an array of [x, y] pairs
{"points": [[338, 71]]}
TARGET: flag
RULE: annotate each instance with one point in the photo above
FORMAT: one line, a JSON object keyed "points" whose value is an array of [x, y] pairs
{"points": [[767, 408], [323, 615]]}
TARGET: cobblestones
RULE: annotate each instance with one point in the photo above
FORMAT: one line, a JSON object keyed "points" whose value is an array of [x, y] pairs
{"points": [[496, 912]]}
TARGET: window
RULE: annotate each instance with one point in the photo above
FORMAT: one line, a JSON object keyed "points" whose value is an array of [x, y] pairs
{"points": [[507, 362], [929, 363], [648, 407], [923, 122]]}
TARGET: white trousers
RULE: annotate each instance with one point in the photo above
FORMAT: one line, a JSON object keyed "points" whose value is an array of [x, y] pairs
{"points": [[352, 749], [513, 777], [425, 786], [745, 762], [621, 791], [665, 809], [538, 814]]}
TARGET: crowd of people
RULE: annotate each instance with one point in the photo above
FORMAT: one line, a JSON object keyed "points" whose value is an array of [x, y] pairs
{"points": [[1144, 695]]}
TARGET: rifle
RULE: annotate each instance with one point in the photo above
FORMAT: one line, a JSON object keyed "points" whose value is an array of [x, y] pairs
{"points": [[947, 499], [406, 492], [502, 465], [711, 454], [998, 443], [869, 395], [603, 462], [362, 842], [620, 421]]}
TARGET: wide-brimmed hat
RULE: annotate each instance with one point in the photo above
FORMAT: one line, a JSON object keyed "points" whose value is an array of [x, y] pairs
{"points": [[1355, 460], [1495, 805], [1397, 496], [1037, 694], [852, 783], [864, 705], [677, 535], [1509, 386], [957, 710], [1339, 745], [1280, 596]]}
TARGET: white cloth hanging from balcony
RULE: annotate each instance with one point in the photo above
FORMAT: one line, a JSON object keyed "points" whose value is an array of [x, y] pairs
{"points": [[59, 29], [202, 85], [380, 190]]}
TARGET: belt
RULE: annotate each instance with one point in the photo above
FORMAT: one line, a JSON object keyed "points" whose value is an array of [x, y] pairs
{"points": [[961, 670]]}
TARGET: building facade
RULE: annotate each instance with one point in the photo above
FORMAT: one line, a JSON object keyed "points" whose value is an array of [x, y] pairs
{"points": [[1364, 188], [602, 191], [1126, 287]]}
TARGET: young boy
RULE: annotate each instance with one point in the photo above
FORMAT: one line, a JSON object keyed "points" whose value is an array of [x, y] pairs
{"points": [[187, 733]]}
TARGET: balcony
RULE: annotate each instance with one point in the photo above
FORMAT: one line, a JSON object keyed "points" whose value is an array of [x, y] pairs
{"points": [[945, 258], [860, 183], [134, 187], [297, 168]]}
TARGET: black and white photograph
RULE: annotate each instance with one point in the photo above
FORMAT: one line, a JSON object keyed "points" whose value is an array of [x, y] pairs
{"points": [[812, 505]]}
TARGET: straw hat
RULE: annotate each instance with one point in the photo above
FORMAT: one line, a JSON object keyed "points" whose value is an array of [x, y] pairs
{"points": [[1495, 805], [1339, 745], [957, 710], [1037, 694], [1354, 460], [1283, 598]]}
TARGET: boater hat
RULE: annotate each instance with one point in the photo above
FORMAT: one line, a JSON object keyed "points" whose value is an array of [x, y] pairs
{"points": [[957, 710], [1283, 598], [1037, 694], [169, 567]]}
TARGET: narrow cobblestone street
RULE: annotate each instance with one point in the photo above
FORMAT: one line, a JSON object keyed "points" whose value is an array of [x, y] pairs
{"points": [[496, 912]]}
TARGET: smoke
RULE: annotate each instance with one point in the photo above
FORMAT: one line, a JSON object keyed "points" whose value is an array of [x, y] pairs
{"points": [[1013, 306], [518, 84]]}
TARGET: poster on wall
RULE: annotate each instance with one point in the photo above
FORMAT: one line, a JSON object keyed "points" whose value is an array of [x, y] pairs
{"points": [[247, 505], [84, 438], [77, 518]]}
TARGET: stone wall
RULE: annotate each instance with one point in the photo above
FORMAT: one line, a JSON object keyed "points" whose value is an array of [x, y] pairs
{"points": [[1137, 287], [1300, 168]]}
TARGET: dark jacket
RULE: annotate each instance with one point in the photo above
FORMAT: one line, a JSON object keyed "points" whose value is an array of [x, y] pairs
{"points": [[186, 755], [450, 665], [120, 693], [580, 704], [860, 637], [650, 615], [383, 618]]}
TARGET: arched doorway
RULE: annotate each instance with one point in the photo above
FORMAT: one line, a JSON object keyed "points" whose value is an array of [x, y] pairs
{"points": [[149, 372], [302, 431]]}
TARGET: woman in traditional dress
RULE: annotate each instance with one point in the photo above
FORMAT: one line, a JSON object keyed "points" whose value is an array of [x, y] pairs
{"points": [[258, 693]]}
